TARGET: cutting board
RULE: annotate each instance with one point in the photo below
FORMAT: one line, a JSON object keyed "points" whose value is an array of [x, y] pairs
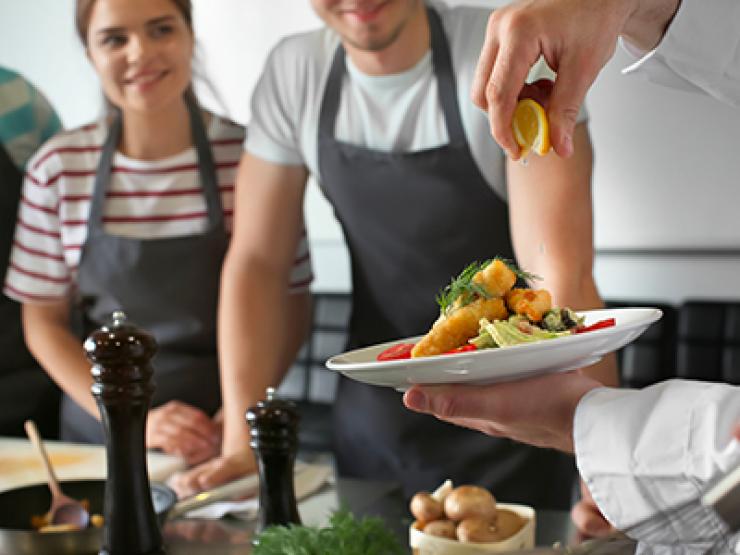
{"points": [[20, 465]]}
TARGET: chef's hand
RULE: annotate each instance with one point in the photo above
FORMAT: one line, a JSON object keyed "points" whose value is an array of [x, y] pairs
{"points": [[183, 430], [538, 411], [217, 471], [587, 517], [576, 37]]}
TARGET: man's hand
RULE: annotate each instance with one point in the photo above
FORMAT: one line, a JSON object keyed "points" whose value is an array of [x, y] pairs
{"points": [[576, 37], [538, 411], [212, 473], [587, 517], [183, 430]]}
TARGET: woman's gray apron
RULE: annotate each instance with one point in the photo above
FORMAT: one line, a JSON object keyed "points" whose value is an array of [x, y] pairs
{"points": [[412, 221], [25, 389], [169, 287]]}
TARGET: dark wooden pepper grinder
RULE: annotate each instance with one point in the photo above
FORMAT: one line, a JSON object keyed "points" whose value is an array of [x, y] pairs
{"points": [[274, 438], [123, 388]]}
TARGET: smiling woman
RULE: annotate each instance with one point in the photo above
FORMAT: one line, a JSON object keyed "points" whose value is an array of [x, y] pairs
{"points": [[112, 210]]}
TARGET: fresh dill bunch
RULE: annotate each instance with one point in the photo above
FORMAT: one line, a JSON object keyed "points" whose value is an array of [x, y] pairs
{"points": [[345, 536], [463, 288]]}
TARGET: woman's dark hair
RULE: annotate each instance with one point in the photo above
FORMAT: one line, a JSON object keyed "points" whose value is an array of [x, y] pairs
{"points": [[83, 10]]}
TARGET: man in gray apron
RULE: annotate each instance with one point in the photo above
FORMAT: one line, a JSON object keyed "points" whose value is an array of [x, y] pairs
{"points": [[412, 218], [397, 268], [168, 287]]}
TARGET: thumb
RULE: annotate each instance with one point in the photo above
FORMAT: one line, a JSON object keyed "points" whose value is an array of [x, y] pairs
{"points": [[568, 94]]}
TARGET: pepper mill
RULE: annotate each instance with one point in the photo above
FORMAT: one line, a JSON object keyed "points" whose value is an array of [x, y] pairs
{"points": [[274, 439], [121, 354]]}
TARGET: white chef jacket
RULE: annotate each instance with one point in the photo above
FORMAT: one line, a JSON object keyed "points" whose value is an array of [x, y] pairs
{"points": [[643, 451], [699, 52]]}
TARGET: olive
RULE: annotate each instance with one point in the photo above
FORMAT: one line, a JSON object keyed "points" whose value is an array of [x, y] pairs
{"points": [[470, 502], [441, 529]]}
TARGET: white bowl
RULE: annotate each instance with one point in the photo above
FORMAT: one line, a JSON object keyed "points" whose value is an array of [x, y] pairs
{"points": [[424, 544]]}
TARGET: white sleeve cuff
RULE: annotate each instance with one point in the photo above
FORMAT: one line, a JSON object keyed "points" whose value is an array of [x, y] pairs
{"points": [[699, 52], [642, 451]]}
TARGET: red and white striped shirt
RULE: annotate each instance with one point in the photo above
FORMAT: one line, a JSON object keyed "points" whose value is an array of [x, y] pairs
{"points": [[145, 199]]}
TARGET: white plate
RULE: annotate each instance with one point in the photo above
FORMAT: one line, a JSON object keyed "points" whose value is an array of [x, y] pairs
{"points": [[495, 365]]}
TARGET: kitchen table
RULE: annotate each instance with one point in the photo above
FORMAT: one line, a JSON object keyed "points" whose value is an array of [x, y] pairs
{"points": [[19, 466]]}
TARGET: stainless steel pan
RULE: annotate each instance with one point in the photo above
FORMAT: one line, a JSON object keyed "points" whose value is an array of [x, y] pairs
{"points": [[17, 506]]}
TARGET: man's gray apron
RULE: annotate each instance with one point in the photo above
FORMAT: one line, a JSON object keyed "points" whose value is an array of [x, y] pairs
{"points": [[25, 389], [412, 221], [169, 287]]}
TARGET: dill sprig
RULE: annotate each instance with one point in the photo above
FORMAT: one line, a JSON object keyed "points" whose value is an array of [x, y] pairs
{"points": [[463, 290]]}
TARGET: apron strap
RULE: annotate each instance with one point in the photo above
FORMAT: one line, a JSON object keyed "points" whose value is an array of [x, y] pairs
{"points": [[446, 82], [443, 71], [206, 168]]}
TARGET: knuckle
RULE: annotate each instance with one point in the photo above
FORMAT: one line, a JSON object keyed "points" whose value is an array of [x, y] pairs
{"points": [[446, 406]]}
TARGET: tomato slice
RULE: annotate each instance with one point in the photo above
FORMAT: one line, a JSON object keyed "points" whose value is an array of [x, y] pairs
{"points": [[600, 325], [462, 349], [399, 351]]}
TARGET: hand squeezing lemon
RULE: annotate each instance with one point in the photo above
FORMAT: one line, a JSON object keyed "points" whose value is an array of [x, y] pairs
{"points": [[530, 127]]}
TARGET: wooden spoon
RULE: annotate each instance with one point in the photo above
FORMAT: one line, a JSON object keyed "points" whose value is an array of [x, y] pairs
{"points": [[64, 510]]}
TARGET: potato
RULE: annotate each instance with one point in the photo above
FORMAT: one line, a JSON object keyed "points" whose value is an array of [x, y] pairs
{"points": [[477, 530], [441, 529], [470, 502], [426, 508]]}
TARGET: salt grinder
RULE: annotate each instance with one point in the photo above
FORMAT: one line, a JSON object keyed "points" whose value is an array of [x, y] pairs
{"points": [[121, 354], [274, 439]]}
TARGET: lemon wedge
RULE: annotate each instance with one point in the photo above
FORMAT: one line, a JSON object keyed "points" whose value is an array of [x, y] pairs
{"points": [[531, 130]]}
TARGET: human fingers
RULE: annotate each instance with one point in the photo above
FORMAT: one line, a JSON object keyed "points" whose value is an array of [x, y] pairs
{"points": [[484, 68], [538, 411], [179, 442], [170, 430], [577, 71], [519, 48], [225, 469], [181, 416], [589, 521]]}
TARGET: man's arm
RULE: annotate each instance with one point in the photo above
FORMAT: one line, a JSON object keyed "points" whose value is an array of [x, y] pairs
{"points": [[261, 326], [552, 230]]}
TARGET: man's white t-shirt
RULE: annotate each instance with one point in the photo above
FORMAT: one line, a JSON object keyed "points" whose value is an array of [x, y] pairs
{"points": [[392, 113]]}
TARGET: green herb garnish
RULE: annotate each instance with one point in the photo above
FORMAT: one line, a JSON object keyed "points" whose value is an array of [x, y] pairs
{"points": [[463, 289], [344, 536]]}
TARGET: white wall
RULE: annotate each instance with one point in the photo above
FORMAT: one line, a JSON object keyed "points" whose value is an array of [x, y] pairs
{"points": [[666, 162]]}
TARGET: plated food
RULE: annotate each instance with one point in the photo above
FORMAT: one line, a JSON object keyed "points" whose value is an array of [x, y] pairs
{"points": [[467, 520], [489, 330], [481, 309]]}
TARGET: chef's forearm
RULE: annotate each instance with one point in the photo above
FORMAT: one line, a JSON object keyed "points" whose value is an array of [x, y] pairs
{"points": [[582, 294], [254, 324], [59, 351]]}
